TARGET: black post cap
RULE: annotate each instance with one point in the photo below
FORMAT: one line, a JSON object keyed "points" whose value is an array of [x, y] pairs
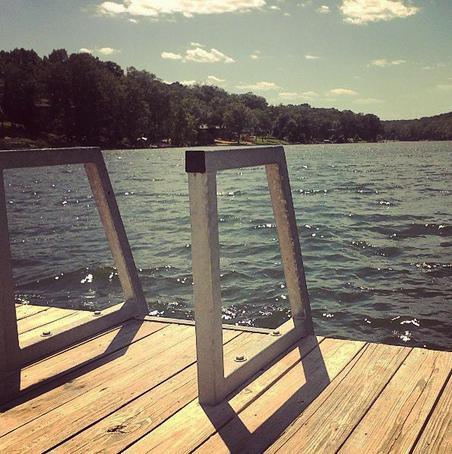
{"points": [[195, 161]]}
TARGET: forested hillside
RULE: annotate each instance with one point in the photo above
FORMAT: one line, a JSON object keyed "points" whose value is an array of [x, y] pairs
{"points": [[63, 99], [438, 127]]}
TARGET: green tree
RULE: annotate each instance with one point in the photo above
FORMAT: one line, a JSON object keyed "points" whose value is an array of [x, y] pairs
{"points": [[237, 118]]}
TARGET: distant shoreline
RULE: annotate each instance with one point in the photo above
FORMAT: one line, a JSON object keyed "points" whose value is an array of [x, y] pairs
{"points": [[20, 143]]}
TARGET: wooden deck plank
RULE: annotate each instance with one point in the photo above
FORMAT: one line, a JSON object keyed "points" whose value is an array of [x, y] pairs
{"points": [[437, 434], [59, 325], [394, 421], [329, 420], [84, 353], [259, 424], [58, 392], [155, 363], [193, 424], [137, 418], [41, 319], [134, 388], [27, 310]]}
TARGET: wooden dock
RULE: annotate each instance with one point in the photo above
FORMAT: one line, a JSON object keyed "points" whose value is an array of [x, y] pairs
{"points": [[133, 388], [121, 381]]}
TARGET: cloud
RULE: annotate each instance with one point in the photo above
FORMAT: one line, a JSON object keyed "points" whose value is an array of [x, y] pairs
{"points": [[255, 55], [171, 56], [293, 95], [342, 92], [361, 12], [198, 55], [311, 57], [134, 21], [435, 66], [309, 94], [323, 9], [210, 80], [289, 94], [275, 8], [368, 101], [99, 50], [186, 8], [445, 87], [214, 80], [259, 86], [111, 8], [188, 82], [107, 51], [382, 62]]}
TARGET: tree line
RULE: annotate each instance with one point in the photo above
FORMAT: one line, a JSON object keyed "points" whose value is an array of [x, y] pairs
{"points": [[438, 127], [77, 99]]}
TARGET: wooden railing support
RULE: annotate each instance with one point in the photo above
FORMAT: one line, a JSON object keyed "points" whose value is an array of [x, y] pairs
{"points": [[11, 355], [9, 339], [201, 167]]}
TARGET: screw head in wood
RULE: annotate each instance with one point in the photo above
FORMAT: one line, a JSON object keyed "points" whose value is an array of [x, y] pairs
{"points": [[240, 358], [46, 333]]}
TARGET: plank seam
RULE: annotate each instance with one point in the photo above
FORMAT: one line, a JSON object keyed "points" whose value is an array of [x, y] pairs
{"points": [[374, 400], [262, 391], [241, 387], [35, 388], [272, 363], [44, 308], [336, 381], [82, 342], [132, 400], [427, 419], [67, 349], [47, 323], [415, 402]]}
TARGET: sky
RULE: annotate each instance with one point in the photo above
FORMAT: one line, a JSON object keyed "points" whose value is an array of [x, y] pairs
{"points": [[388, 57]]}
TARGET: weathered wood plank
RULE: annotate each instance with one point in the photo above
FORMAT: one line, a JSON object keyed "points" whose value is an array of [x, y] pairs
{"points": [[66, 388], [178, 321], [63, 322], [70, 330], [135, 419], [188, 428], [158, 362], [329, 420], [82, 354], [437, 434], [28, 310], [394, 421], [260, 355], [260, 423], [43, 318]]}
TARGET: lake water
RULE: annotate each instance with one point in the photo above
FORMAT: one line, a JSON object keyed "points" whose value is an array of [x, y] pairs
{"points": [[375, 223]]}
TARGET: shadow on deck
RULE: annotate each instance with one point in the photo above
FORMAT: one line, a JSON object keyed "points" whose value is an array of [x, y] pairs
{"points": [[133, 388]]}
